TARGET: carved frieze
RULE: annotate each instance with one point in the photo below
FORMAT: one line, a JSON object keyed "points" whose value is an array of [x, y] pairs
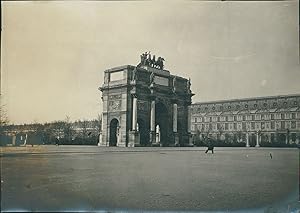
{"points": [[114, 97], [143, 105], [114, 105]]}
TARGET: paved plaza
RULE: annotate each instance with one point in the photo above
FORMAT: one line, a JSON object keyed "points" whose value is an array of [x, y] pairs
{"points": [[90, 178]]}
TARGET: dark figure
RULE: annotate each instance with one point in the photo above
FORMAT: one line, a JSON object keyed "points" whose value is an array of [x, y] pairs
{"points": [[210, 146], [271, 155]]}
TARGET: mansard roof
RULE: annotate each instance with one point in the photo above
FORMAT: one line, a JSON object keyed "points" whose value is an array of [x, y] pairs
{"points": [[253, 105]]}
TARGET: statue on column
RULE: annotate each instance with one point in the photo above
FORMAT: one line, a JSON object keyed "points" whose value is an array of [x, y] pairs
{"points": [[134, 74], [188, 85], [157, 139], [118, 134], [174, 82], [152, 78]]}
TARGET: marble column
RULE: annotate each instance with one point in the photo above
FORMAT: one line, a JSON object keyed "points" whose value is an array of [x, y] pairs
{"points": [[257, 139], [152, 118], [134, 113], [175, 117], [247, 140], [175, 120], [152, 124], [189, 119], [189, 126]]}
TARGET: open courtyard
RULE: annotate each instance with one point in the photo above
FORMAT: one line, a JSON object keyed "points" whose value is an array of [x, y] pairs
{"points": [[56, 178]]}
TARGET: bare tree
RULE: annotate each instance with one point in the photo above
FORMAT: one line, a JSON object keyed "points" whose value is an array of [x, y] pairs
{"points": [[3, 118]]}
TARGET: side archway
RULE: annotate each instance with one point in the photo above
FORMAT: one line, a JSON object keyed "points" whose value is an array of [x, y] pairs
{"points": [[113, 132]]}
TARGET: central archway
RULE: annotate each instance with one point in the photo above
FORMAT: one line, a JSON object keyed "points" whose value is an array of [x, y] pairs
{"points": [[144, 132], [113, 132], [162, 120]]}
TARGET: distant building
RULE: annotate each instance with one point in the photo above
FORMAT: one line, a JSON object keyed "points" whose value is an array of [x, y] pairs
{"points": [[274, 119]]}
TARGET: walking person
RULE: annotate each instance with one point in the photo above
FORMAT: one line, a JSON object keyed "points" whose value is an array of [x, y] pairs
{"points": [[210, 146]]}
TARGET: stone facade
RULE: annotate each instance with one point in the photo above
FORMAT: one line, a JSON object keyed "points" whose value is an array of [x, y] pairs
{"points": [[144, 106], [253, 120]]}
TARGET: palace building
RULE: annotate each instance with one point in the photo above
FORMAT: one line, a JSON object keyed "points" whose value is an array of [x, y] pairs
{"points": [[253, 121]]}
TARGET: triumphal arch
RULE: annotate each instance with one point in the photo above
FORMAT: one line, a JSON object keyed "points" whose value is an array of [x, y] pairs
{"points": [[145, 105]]}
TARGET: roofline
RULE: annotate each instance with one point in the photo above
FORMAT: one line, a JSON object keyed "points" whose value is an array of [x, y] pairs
{"points": [[118, 68], [248, 99]]}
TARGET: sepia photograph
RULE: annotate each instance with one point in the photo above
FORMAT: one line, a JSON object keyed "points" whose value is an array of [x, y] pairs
{"points": [[150, 106]]}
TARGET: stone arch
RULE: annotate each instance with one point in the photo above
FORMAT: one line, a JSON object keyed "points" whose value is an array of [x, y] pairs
{"points": [[144, 132], [162, 119], [114, 126]]}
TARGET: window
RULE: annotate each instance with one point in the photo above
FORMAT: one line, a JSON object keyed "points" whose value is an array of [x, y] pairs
{"points": [[244, 117], [293, 125], [272, 116], [244, 126], [234, 118], [226, 126], [262, 125], [234, 126], [195, 119], [282, 116], [293, 115], [282, 124], [272, 124], [252, 125], [257, 117]]}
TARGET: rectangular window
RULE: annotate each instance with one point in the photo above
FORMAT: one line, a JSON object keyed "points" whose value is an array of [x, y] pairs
{"points": [[244, 126], [293, 124], [272, 124], [234, 118], [257, 117], [253, 118], [195, 119], [288, 124], [226, 126], [252, 125], [262, 125], [244, 117], [282, 124], [293, 115], [282, 116], [257, 125], [272, 116], [234, 126]]}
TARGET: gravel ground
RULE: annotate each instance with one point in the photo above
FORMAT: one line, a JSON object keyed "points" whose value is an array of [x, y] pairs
{"points": [[90, 178]]}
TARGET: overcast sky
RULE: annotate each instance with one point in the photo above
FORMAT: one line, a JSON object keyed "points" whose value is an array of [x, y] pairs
{"points": [[54, 53]]}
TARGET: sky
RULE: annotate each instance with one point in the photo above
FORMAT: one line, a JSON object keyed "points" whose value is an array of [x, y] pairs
{"points": [[54, 53]]}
